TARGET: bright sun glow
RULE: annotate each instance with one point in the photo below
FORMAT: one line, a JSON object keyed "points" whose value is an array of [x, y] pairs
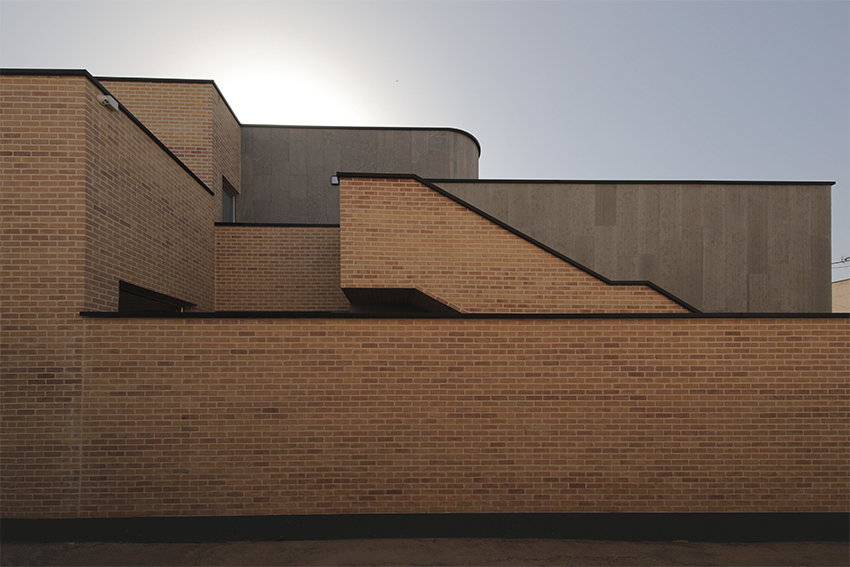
{"points": [[262, 98]]}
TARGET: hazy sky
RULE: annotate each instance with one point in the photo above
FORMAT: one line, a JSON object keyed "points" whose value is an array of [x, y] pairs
{"points": [[553, 90]]}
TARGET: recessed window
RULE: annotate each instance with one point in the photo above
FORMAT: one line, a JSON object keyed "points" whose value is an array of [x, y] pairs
{"points": [[228, 201]]}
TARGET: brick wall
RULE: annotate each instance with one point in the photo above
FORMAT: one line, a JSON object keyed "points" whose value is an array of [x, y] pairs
{"points": [[399, 233], [148, 221], [42, 179], [278, 268], [88, 199], [299, 416], [192, 120]]}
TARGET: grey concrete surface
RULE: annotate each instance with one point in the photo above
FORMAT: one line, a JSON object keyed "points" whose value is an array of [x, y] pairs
{"points": [[286, 170], [427, 552], [721, 247]]}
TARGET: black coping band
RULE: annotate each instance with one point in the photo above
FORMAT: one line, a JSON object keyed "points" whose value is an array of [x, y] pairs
{"points": [[402, 315], [716, 527]]}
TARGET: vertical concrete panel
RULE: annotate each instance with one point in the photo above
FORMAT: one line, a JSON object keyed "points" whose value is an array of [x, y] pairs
{"points": [[649, 218], [692, 247], [671, 262], [714, 248], [605, 258], [245, 207], [757, 232], [820, 228], [606, 205], [799, 252], [437, 154], [629, 232], [734, 267], [779, 269], [576, 204]]}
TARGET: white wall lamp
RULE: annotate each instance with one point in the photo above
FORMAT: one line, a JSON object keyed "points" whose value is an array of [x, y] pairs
{"points": [[334, 180]]}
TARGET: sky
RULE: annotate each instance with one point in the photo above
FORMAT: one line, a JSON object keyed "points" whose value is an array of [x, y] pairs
{"points": [[683, 90]]}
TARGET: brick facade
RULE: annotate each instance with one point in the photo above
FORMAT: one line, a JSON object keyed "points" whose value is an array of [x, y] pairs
{"points": [[148, 222], [304, 416], [88, 199], [200, 414], [42, 282], [399, 233], [192, 120], [278, 268]]}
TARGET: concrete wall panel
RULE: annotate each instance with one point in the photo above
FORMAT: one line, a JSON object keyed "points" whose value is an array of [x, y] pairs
{"points": [[287, 169], [722, 247]]}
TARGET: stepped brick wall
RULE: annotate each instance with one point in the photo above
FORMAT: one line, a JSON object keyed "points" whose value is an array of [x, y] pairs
{"points": [[278, 268], [399, 233]]}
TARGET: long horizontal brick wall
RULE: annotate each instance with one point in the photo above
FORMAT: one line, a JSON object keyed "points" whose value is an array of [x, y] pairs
{"points": [[300, 416], [399, 233], [278, 268]]}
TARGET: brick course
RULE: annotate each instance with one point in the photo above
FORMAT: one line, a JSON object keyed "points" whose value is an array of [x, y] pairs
{"points": [[278, 268], [399, 233]]}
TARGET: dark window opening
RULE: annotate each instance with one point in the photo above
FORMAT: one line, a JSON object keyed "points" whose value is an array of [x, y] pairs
{"points": [[135, 299], [399, 301]]}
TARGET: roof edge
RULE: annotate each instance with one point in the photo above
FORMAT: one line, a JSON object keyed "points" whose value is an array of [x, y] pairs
{"points": [[458, 315], [630, 181], [193, 81], [104, 90], [400, 128]]}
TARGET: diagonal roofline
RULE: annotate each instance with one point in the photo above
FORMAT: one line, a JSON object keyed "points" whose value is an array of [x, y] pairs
{"points": [[104, 90], [626, 182], [513, 230]]}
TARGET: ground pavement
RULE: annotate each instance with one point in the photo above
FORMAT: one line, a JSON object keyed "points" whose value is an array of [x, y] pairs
{"points": [[427, 552]]}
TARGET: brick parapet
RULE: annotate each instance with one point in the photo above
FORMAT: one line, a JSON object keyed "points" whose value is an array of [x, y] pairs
{"points": [[399, 233], [179, 114], [278, 268], [192, 120]]}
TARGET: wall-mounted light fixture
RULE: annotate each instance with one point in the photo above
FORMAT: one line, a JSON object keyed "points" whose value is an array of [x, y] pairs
{"points": [[334, 180], [108, 101]]}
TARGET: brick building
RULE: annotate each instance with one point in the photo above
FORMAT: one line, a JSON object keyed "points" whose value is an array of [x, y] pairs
{"points": [[202, 319]]}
